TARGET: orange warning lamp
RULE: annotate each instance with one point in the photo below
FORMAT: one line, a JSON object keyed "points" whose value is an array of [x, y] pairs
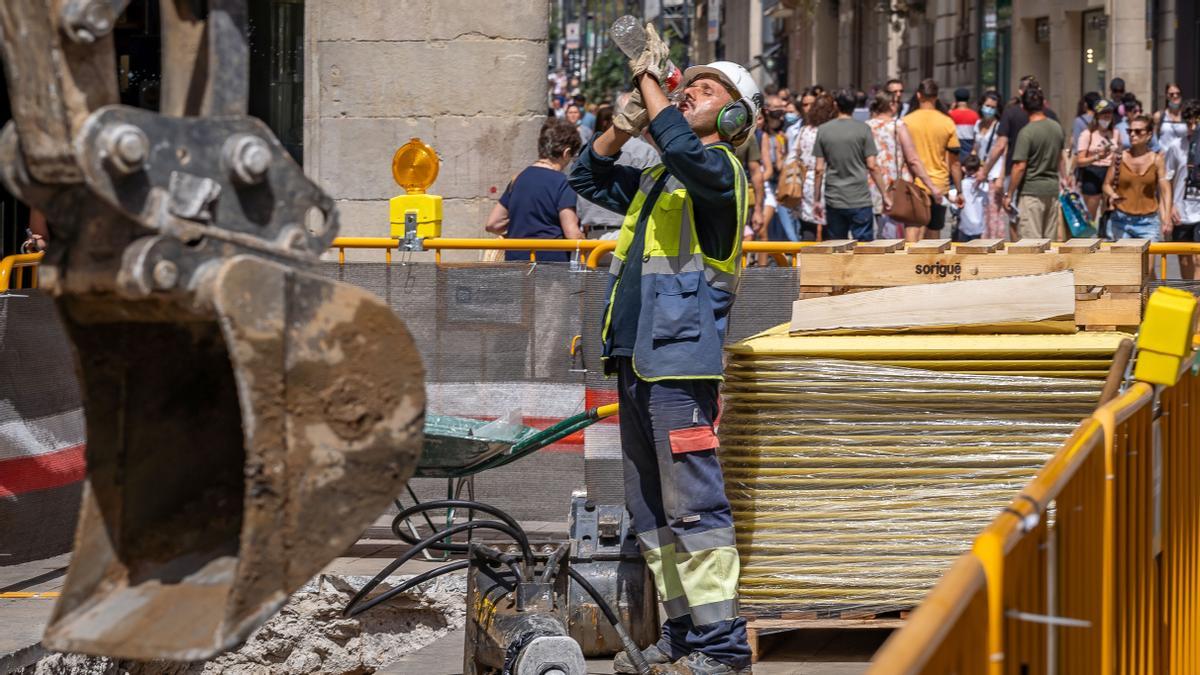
{"points": [[415, 167], [415, 215]]}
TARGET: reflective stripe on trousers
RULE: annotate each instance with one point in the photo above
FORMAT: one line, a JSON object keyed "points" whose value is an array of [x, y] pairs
{"points": [[676, 498]]}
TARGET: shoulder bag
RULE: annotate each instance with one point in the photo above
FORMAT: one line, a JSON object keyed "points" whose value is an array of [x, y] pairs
{"points": [[910, 204], [790, 191]]}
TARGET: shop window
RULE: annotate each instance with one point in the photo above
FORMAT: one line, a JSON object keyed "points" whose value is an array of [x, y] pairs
{"points": [[995, 39]]}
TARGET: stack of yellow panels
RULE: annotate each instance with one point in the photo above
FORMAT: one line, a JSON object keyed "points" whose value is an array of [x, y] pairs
{"points": [[858, 467]]}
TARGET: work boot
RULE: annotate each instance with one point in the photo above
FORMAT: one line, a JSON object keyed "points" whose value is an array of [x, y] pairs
{"points": [[653, 655], [698, 663]]}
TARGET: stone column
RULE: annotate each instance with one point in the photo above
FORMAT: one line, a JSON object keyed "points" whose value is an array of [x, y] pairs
{"points": [[1129, 56], [1065, 86], [466, 76]]}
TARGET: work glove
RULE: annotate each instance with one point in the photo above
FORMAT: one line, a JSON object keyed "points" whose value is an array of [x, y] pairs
{"points": [[653, 59], [633, 118]]}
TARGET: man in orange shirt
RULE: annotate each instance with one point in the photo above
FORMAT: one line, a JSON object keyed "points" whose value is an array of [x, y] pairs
{"points": [[936, 140]]}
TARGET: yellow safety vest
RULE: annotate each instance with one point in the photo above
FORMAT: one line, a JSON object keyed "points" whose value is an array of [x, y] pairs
{"points": [[686, 295]]}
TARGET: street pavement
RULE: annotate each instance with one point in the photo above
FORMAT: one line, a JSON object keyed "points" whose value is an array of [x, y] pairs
{"points": [[805, 652]]}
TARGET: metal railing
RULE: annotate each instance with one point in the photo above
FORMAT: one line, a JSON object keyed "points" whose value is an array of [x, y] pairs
{"points": [[19, 271], [591, 250], [1093, 568], [594, 250]]}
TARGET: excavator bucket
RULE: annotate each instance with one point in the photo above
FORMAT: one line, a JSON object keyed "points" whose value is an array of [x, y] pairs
{"points": [[229, 461], [247, 418]]}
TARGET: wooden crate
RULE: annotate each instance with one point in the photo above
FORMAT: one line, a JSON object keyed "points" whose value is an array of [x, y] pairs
{"points": [[1110, 278]]}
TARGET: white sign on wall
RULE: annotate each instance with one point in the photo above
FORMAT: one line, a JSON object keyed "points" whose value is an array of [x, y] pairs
{"points": [[573, 35]]}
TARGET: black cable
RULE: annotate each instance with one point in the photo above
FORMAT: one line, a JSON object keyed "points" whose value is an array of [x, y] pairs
{"points": [[462, 504], [423, 544], [631, 648], [446, 504], [497, 556], [455, 566]]}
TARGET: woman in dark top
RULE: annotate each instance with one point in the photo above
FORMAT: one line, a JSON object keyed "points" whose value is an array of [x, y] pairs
{"points": [[538, 203]]}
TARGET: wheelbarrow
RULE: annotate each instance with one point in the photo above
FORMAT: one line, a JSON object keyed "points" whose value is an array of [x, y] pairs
{"points": [[458, 448]]}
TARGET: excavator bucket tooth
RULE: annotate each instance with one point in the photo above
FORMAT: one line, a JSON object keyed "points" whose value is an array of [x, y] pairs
{"points": [[229, 460]]}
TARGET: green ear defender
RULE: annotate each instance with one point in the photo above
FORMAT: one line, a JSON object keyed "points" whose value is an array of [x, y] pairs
{"points": [[734, 119]]}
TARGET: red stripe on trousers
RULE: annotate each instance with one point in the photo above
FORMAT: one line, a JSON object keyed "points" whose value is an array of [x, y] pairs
{"points": [[41, 472]]}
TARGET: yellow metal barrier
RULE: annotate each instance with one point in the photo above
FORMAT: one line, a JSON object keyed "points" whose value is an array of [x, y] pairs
{"points": [[1093, 568], [439, 244], [1167, 248], [19, 271], [596, 249]]}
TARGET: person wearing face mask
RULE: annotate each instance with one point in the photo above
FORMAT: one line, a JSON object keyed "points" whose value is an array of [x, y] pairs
{"points": [[1169, 127], [781, 222], [995, 220], [791, 117], [1012, 120], [673, 280], [1095, 150], [792, 121], [538, 203]]}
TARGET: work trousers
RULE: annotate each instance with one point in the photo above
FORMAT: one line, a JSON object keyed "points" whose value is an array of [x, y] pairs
{"points": [[676, 498], [1038, 217]]}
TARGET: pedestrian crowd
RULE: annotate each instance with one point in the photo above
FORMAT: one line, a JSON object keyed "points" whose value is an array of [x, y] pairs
{"points": [[847, 164]]}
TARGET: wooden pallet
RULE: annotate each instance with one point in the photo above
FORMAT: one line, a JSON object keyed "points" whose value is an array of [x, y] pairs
{"points": [[1110, 278], [758, 627]]}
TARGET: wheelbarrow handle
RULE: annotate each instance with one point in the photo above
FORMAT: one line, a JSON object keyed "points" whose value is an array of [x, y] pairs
{"points": [[605, 410], [549, 436]]}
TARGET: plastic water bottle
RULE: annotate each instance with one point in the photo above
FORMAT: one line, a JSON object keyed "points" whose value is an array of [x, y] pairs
{"points": [[629, 34]]}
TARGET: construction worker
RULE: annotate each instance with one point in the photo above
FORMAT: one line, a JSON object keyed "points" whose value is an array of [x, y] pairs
{"points": [[674, 275]]}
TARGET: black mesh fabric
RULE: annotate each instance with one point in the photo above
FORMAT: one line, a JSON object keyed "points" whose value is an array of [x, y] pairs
{"points": [[500, 324], [41, 431], [482, 322], [764, 300], [496, 340]]}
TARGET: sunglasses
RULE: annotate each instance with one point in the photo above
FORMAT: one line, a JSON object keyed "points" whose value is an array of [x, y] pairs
{"points": [[1138, 132]]}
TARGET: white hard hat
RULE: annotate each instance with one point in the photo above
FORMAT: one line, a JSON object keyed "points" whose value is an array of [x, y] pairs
{"points": [[734, 76]]}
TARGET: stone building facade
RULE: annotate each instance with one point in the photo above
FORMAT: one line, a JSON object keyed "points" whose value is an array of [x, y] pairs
{"points": [[1072, 46], [466, 76]]}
